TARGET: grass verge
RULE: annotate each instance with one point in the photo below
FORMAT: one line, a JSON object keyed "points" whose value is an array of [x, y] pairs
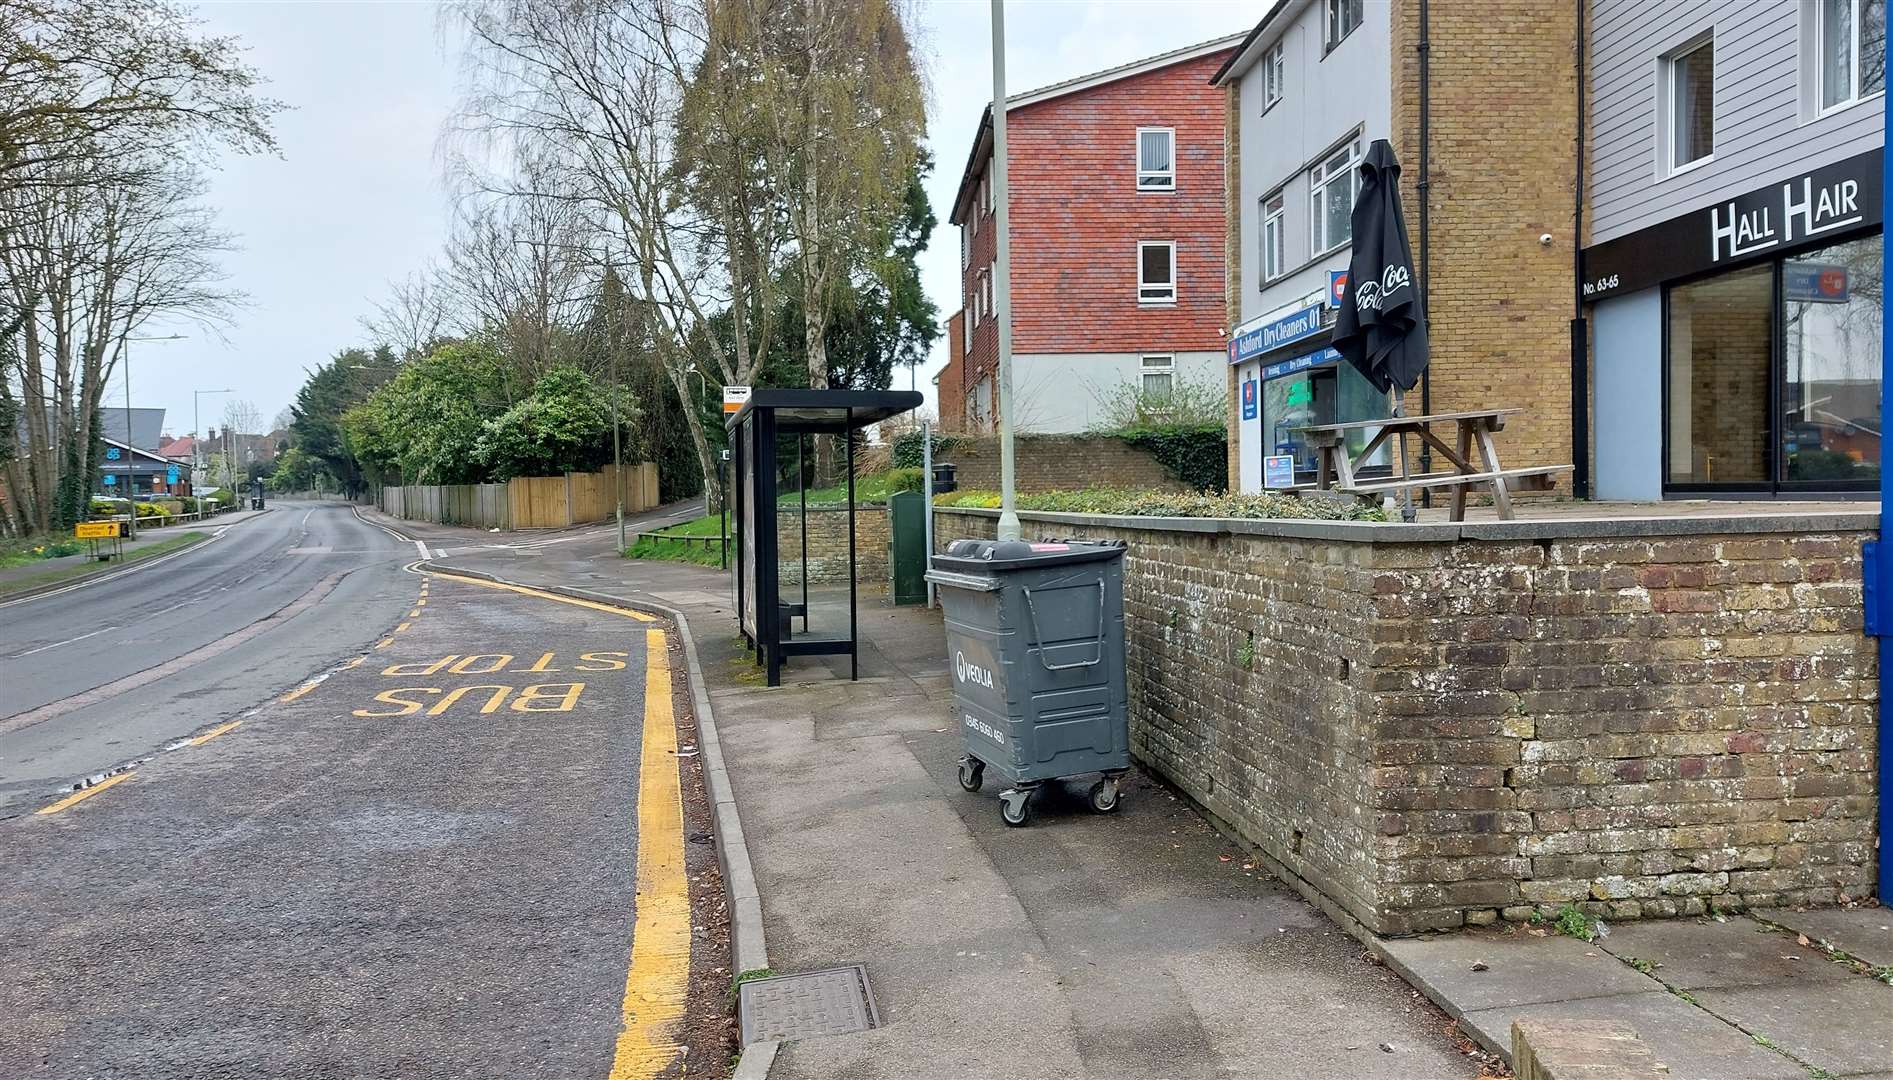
{"points": [[684, 551], [88, 566]]}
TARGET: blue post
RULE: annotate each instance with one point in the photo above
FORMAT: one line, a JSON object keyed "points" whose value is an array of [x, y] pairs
{"points": [[1881, 597]]}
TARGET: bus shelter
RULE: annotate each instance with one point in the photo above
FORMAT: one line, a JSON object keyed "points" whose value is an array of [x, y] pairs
{"points": [[769, 422]]}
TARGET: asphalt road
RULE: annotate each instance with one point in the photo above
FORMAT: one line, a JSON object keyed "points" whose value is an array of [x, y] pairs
{"points": [[458, 852], [95, 676]]}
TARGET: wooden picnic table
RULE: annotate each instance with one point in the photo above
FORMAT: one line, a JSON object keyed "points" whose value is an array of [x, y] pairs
{"points": [[1335, 468]]}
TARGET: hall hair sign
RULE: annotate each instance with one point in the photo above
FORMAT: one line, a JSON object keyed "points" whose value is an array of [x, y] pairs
{"points": [[1822, 204]]}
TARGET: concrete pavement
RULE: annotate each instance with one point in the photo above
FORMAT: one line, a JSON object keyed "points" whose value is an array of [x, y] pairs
{"points": [[1772, 995], [1136, 945]]}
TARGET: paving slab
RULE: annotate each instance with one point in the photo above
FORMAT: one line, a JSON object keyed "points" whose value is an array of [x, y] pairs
{"points": [[1482, 969], [1844, 1027], [1697, 954], [1865, 932], [1694, 1044]]}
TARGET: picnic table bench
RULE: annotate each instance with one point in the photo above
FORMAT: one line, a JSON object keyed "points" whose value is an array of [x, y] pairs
{"points": [[1335, 468]]}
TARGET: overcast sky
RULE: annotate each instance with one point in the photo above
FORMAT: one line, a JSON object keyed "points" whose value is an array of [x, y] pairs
{"points": [[356, 199]]}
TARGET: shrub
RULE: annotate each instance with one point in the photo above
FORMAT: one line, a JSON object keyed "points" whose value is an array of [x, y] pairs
{"points": [[152, 510], [910, 450], [1197, 456], [1263, 505], [899, 480]]}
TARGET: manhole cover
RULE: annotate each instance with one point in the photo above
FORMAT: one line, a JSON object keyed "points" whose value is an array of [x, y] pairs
{"points": [[832, 1002]]}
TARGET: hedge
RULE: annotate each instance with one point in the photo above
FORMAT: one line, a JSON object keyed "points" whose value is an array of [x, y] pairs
{"points": [[1132, 503]]}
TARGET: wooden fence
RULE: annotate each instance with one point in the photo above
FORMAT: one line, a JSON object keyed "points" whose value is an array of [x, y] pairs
{"points": [[525, 502]]}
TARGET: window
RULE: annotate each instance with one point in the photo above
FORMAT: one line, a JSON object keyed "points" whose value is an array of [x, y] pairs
{"points": [[966, 248], [1343, 17], [1772, 377], [1156, 159], [1331, 187], [1692, 104], [1274, 72], [992, 272], [1159, 374], [979, 296], [1830, 398], [1156, 272], [1850, 50], [1274, 244]]}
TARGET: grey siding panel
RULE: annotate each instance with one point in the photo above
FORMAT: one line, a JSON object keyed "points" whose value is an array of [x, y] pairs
{"points": [[1760, 131], [1627, 339]]}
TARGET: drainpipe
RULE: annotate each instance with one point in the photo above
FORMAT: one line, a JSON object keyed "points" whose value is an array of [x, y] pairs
{"points": [[1580, 328], [1423, 187]]}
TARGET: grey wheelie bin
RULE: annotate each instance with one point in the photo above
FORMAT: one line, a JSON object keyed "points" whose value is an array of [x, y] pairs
{"points": [[1035, 635]]}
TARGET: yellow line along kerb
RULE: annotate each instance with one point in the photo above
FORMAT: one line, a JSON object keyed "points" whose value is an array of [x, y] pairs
{"points": [[656, 988], [219, 730], [541, 594], [82, 795]]}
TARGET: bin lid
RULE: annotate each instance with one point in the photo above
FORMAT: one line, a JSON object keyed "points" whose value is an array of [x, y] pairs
{"points": [[987, 556]]}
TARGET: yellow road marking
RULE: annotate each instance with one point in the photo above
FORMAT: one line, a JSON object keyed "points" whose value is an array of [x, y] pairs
{"points": [[402, 627], [415, 614], [656, 986], [357, 662], [300, 690], [573, 600], [81, 796], [384, 643], [232, 725]]}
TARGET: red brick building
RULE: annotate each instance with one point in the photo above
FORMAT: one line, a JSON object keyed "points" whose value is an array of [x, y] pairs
{"points": [[953, 376], [1117, 219]]}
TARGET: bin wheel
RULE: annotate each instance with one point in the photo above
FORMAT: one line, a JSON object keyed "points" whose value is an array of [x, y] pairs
{"points": [[1015, 807], [1104, 796], [972, 774]]}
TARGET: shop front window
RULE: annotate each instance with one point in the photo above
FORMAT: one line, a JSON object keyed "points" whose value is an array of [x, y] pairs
{"points": [[1720, 331], [1831, 329], [1773, 380], [1333, 393]]}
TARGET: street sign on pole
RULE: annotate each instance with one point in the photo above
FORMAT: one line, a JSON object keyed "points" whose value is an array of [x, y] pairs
{"points": [[734, 398]]}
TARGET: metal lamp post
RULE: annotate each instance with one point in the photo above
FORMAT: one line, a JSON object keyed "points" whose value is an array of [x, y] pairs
{"points": [[1002, 278]]}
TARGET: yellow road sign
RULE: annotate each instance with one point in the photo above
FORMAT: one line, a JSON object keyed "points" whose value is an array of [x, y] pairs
{"points": [[94, 530]]}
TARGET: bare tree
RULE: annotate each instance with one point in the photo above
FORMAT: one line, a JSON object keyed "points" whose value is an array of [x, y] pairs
{"points": [[104, 108], [414, 317], [88, 268], [842, 114], [594, 94], [519, 270]]}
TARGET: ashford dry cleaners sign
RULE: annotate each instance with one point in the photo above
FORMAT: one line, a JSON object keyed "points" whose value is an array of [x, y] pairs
{"points": [[1826, 203], [1254, 340]]}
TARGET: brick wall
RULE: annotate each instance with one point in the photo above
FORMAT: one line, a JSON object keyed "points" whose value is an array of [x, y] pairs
{"points": [[1076, 217], [1503, 117], [952, 381], [1430, 734], [828, 545], [1060, 463]]}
